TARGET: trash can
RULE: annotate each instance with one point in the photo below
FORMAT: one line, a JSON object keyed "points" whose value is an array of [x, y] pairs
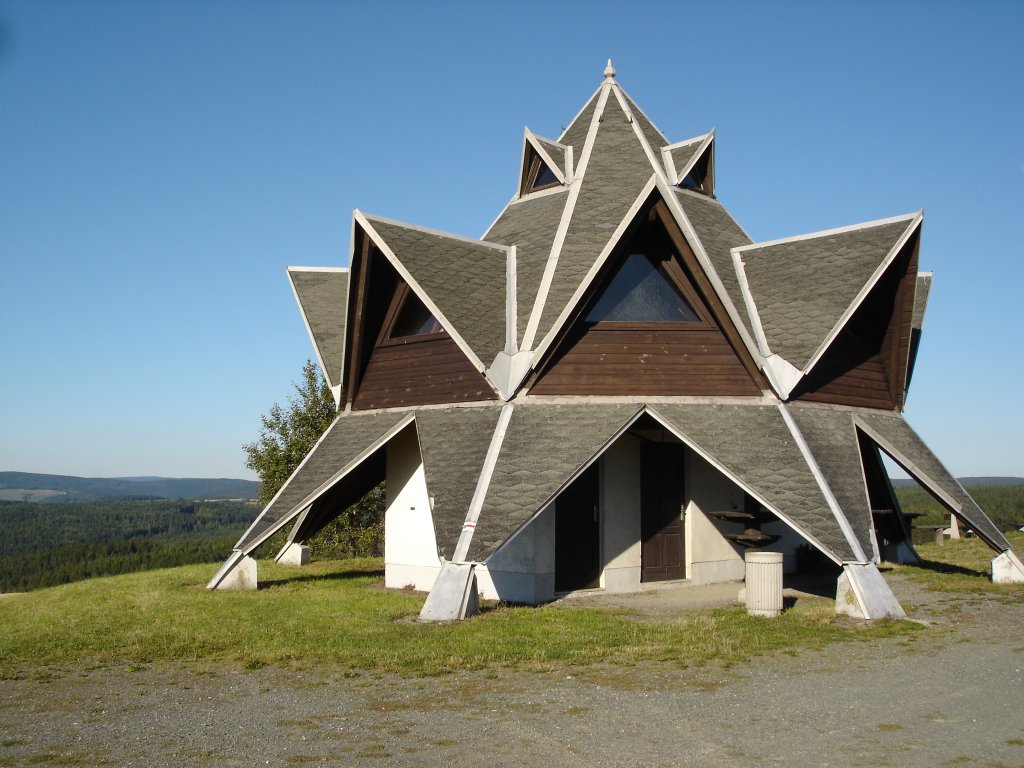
{"points": [[763, 583]]}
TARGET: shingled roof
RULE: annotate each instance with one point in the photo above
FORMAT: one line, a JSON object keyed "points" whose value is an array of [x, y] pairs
{"points": [[510, 300]]}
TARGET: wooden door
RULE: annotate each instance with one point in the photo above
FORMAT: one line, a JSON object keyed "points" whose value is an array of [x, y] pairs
{"points": [[577, 535], [661, 502]]}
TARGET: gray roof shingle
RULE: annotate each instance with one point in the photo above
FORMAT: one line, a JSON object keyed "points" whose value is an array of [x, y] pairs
{"points": [[894, 429], [543, 446], [453, 443], [718, 232], [465, 279], [615, 175], [922, 289], [323, 298], [755, 445], [349, 435], [802, 287], [655, 138], [575, 135], [530, 225], [832, 438], [682, 155]]}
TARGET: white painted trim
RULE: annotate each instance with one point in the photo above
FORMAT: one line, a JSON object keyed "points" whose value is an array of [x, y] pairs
{"points": [[721, 468], [560, 189], [748, 300], [819, 477], [908, 217], [683, 222], [428, 231], [910, 467], [709, 141], [563, 224], [482, 484], [639, 109], [422, 294], [595, 94], [570, 308], [652, 158], [335, 386], [569, 481], [323, 487], [529, 137], [863, 293], [511, 303]]}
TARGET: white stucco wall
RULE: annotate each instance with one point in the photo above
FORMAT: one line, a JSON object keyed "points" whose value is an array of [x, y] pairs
{"points": [[620, 515], [709, 556], [523, 569], [410, 545]]}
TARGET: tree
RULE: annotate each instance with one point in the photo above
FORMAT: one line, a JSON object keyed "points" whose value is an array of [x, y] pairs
{"points": [[288, 434]]}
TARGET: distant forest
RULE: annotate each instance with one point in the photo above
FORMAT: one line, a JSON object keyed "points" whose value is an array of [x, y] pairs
{"points": [[31, 486], [46, 544]]}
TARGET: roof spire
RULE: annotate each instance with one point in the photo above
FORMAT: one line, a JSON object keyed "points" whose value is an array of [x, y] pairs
{"points": [[609, 71]]}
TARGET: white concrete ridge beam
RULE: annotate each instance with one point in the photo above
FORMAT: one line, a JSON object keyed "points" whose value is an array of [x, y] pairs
{"points": [[862, 593], [453, 596], [1007, 569]]}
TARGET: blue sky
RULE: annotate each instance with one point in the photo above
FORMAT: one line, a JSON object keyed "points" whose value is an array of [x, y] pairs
{"points": [[161, 163]]}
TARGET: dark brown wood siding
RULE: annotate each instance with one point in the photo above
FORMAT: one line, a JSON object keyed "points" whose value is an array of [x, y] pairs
{"points": [[420, 373], [866, 363], [601, 360]]}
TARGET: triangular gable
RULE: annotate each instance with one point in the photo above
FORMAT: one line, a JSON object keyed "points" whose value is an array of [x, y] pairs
{"points": [[894, 436], [545, 164], [690, 348], [691, 163], [712, 233], [544, 448], [800, 291], [322, 295], [453, 444], [755, 448], [613, 171], [832, 439], [461, 281], [350, 440]]}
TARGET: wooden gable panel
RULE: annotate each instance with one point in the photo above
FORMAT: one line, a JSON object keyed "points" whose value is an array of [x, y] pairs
{"points": [[866, 365], [657, 359], [433, 370]]}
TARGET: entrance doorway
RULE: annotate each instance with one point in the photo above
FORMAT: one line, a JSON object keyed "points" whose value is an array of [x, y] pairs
{"points": [[661, 502], [577, 534]]}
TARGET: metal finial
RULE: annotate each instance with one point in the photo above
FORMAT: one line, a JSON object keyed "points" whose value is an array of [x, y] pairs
{"points": [[609, 71]]}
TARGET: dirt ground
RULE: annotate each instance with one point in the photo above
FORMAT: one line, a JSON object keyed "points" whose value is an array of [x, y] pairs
{"points": [[952, 696]]}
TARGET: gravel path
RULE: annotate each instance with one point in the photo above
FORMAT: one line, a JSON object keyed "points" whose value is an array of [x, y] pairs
{"points": [[951, 696]]}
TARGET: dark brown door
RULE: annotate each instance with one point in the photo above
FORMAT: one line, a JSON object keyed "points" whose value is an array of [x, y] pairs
{"points": [[661, 501], [577, 536]]}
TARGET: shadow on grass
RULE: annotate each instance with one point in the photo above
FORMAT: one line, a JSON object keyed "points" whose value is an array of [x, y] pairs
{"points": [[937, 567], [347, 575]]}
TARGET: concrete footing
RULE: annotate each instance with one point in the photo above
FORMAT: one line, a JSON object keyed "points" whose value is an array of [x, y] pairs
{"points": [[241, 576], [862, 593], [453, 595], [293, 553], [1007, 569]]}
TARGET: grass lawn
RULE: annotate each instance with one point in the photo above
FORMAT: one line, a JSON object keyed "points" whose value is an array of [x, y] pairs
{"points": [[337, 613], [962, 565]]}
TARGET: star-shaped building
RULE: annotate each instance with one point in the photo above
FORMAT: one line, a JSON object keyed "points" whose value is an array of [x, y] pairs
{"points": [[615, 385]]}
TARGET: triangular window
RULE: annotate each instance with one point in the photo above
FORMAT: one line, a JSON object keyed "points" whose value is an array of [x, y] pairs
{"points": [[641, 292], [413, 318], [541, 176], [700, 177]]}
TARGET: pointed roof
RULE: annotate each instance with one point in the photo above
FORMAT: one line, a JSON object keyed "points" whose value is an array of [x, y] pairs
{"points": [[755, 447], [682, 157], [322, 294], [801, 290], [461, 281], [894, 436]]}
